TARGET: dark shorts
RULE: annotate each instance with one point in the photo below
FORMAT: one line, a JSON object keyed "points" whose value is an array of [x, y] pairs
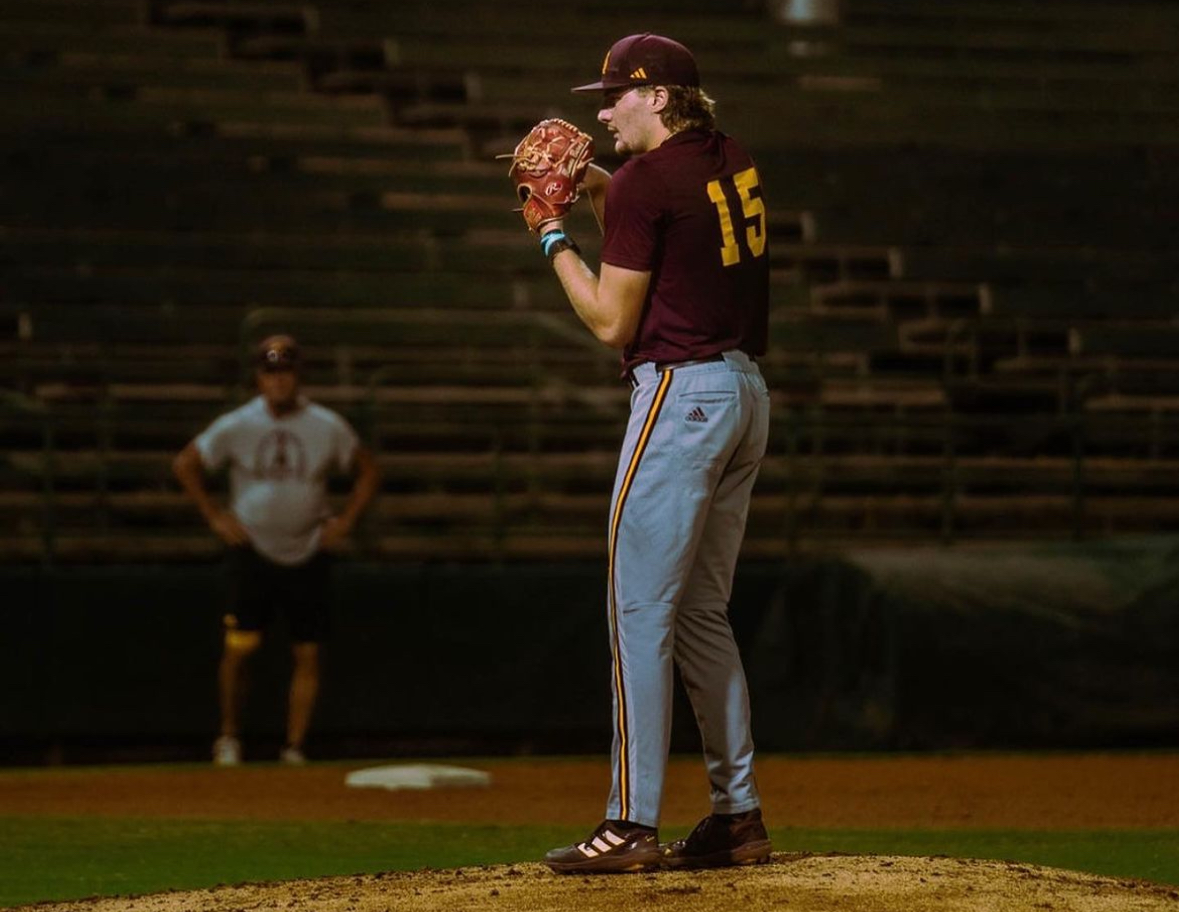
{"points": [[260, 589]]}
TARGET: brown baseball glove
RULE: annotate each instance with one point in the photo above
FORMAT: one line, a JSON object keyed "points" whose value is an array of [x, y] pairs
{"points": [[547, 167]]}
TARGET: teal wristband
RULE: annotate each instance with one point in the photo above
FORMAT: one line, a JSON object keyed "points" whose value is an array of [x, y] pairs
{"points": [[556, 241], [547, 241]]}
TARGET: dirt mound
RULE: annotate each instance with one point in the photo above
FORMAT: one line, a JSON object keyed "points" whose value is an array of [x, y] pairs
{"points": [[800, 883]]}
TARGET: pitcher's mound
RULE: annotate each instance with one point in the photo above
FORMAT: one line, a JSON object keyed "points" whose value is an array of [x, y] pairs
{"points": [[798, 883]]}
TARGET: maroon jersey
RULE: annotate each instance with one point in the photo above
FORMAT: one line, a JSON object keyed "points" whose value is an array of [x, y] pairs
{"points": [[691, 212]]}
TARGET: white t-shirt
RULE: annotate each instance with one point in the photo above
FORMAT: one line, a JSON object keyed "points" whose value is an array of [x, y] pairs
{"points": [[278, 471]]}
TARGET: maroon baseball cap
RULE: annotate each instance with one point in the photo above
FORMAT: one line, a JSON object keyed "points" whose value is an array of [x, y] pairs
{"points": [[639, 60], [277, 353]]}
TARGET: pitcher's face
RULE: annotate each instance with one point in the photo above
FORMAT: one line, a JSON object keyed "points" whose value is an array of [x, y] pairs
{"points": [[632, 118]]}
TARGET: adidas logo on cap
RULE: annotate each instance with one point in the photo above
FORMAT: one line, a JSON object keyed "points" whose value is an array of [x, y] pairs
{"points": [[645, 59]]}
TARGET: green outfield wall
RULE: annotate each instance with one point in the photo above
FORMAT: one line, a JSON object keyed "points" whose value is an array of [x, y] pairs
{"points": [[1067, 646]]}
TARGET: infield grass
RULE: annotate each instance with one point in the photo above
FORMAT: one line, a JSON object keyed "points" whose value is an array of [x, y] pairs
{"points": [[60, 858]]}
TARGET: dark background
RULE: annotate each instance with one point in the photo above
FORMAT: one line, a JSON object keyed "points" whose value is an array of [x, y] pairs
{"points": [[963, 534]]}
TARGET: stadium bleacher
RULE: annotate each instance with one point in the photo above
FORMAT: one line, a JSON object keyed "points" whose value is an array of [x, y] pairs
{"points": [[973, 235]]}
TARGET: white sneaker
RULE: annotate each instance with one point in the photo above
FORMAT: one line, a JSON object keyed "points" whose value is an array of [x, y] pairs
{"points": [[227, 751], [292, 756]]}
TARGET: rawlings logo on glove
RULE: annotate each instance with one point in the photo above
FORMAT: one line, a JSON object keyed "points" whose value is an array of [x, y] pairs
{"points": [[547, 167]]}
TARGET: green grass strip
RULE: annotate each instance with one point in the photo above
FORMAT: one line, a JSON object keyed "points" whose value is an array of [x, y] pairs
{"points": [[60, 858]]}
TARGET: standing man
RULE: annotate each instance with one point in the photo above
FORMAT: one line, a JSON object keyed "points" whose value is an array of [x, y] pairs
{"points": [[683, 292], [280, 449]]}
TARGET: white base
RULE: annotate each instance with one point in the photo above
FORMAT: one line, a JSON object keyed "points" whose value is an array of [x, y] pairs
{"points": [[417, 776]]}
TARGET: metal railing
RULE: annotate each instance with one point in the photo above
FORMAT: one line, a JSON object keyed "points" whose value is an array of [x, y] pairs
{"points": [[949, 463], [939, 455]]}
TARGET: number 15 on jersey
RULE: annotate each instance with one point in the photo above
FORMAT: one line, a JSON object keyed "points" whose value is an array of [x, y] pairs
{"points": [[746, 187]]}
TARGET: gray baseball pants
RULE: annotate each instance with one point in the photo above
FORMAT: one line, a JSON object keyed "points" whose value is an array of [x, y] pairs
{"points": [[694, 443]]}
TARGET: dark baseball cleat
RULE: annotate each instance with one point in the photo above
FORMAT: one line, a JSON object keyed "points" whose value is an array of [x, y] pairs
{"points": [[615, 847], [720, 840]]}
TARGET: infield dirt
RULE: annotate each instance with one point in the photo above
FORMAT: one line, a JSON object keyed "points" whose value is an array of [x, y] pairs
{"points": [[1036, 792]]}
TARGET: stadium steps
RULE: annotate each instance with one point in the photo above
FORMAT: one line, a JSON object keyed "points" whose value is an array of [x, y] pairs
{"points": [[973, 132], [477, 522]]}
